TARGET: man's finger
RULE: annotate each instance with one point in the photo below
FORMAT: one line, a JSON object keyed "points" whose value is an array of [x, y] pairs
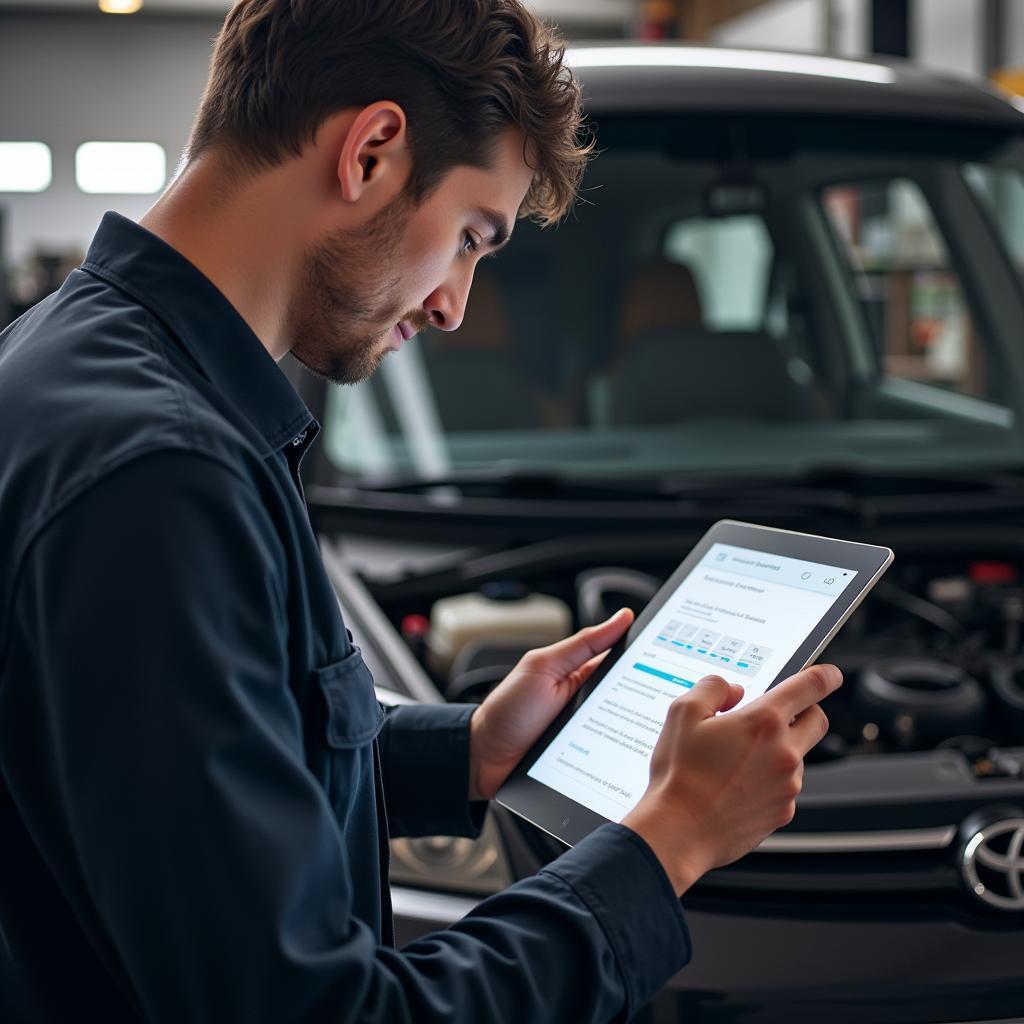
{"points": [[569, 654], [713, 694], [809, 728], [799, 692]]}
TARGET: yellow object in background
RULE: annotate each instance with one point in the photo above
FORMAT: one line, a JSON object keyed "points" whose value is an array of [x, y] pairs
{"points": [[1010, 79]]}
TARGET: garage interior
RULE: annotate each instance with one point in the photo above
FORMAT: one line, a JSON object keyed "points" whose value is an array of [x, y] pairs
{"points": [[792, 294]]}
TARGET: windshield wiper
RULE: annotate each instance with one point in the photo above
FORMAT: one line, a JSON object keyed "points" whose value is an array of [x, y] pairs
{"points": [[540, 485], [871, 495], [508, 483]]}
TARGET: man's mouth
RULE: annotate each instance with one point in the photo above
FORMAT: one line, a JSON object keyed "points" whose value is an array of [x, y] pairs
{"points": [[402, 331]]}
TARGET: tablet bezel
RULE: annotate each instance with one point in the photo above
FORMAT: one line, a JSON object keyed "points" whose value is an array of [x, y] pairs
{"points": [[568, 821]]}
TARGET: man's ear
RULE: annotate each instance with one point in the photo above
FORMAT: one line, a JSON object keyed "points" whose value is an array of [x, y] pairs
{"points": [[374, 161]]}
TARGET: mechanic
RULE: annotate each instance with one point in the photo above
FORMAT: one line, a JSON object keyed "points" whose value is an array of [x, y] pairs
{"points": [[197, 783]]}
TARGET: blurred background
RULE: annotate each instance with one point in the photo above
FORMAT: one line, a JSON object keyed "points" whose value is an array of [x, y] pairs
{"points": [[99, 96]]}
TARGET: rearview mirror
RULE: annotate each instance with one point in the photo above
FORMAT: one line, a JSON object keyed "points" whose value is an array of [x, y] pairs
{"points": [[730, 198]]}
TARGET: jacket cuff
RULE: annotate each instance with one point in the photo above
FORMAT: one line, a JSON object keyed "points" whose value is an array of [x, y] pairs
{"points": [[617, 875], [424, 751]]}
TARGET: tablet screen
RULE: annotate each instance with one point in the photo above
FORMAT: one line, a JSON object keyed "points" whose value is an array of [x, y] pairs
{"points": [[740, 614]]}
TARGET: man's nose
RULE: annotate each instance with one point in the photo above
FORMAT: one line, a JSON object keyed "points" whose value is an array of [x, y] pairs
{"points": [[446, 307]]}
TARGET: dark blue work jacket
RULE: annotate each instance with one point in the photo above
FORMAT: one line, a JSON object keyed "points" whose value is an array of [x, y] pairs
{"points": [[193, 765]]}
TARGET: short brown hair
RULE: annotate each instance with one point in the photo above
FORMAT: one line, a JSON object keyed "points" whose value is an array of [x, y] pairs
{"points": [[462, 70]]}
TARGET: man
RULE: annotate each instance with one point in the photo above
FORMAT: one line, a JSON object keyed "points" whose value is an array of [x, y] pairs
{"points": [[196, 782]]}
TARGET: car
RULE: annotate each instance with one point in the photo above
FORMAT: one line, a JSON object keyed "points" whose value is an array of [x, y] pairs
{"points": [[790, 294]]}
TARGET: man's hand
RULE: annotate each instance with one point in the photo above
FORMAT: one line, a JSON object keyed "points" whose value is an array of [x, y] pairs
{"points": [[515, 714], [720, 784]]}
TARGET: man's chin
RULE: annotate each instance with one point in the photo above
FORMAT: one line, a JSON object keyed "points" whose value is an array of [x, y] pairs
{"points": [[341, 369]]}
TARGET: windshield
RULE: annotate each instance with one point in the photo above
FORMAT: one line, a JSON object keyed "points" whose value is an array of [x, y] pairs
{"points": [[728, 297]]}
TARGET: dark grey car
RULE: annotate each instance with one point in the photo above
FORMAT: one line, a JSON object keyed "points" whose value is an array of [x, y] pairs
{"points": [[792, 295]]}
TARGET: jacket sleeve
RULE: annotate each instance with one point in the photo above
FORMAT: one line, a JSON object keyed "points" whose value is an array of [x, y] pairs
{"points": [[212, 862], [424, 751]]}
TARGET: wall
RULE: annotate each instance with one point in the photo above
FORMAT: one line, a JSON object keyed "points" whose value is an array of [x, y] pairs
{"points": [[784, 25], [1013, 41], [801, 25], [946, 35], [949, 34], [67, 79]]}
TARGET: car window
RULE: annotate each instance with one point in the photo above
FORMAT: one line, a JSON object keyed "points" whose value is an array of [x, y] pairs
{"points": [[908, 290], [730, 259], [1001, 193]]}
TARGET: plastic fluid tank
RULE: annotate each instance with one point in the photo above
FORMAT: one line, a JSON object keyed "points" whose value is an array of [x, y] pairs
{"points": [[498, 613]]}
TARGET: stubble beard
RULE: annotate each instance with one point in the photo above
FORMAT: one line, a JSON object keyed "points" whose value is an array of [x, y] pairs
{"points": [[332, 320]]}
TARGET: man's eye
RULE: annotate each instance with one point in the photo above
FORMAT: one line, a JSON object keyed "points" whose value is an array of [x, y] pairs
{"points": [[469, 244]]}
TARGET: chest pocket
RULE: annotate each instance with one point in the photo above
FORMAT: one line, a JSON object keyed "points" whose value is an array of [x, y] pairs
{"points": [[354, 715], [353, 719]]}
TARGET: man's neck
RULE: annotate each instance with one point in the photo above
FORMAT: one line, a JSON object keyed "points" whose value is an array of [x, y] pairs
{"points": [[244, 239]]}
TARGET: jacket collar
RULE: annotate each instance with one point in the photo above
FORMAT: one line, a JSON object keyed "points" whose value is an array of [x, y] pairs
{"points": [[203, 322]]}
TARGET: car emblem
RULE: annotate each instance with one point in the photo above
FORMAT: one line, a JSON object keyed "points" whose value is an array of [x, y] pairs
{"points": [[993, 863]]}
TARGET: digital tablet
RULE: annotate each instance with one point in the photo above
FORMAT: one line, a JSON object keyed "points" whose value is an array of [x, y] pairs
{"points": [[749, 603]]}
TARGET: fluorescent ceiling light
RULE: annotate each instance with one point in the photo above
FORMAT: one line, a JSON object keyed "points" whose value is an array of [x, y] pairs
{"points": [[25, 167], [120, 6], [120, 167], [714, 57]]}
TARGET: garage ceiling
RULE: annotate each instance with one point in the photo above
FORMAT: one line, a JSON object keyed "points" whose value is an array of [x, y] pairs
{"points": [[571, 10]]}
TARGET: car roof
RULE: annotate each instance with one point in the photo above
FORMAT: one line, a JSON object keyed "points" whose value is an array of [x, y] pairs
{"points": [[646, 77]]}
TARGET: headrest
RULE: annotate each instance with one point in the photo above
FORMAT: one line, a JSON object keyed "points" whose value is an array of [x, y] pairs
{"points": [[658, 295]]}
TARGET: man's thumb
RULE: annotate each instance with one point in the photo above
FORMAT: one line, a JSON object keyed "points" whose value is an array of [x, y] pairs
{"points": [[576, 650]]}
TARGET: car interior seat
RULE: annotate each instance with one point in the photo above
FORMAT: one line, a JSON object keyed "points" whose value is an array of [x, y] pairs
{"points": [[666, 366], [472, 370]]}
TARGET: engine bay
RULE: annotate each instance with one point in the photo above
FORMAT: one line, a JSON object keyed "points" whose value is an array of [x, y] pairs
{"points": [[933, 659]]}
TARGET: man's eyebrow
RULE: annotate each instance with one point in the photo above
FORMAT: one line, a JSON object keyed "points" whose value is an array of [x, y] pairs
{"points": [[500, 233]]}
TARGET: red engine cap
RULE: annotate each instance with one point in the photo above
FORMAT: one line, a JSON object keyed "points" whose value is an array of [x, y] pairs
{"points": [[415, 625], [992, 572]]}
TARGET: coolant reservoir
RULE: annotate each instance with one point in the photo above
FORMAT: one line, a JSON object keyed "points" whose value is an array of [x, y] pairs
{"points": [[498, 613]]}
